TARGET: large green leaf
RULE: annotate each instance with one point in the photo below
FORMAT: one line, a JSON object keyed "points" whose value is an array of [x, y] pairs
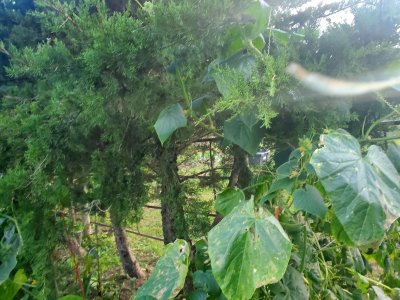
{"points": [[169, 120], [201, 259], [284, 176], [286, 169], [248, 249], [200, 105], [205, 281], [236, 131], [339, 233], [394, 155], [10, 245], [228, 199], [310, 201], [168, 276], [356, 259], [255, 16], [259, 11], [285, 183], [365, 191], [292, 286], [249, 118], [280, 36], [10, 288], [198, 295], [241, 64], [236, 40], [259, 42]]}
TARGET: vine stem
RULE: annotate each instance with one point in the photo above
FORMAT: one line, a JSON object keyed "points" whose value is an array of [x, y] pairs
{"points": [[376, 123], [99, 288], [270, 31], [383, 139], [387, 103], [253, 185], [254, 50], [212, 170], [370, 280], [322, 258], [27, 291], [138, 3], [186, 94], [78, 275], [303, 256]]}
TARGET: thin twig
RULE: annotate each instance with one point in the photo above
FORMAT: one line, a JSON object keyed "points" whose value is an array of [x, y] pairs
{"points": [[212, 170], [159, 207], [184, 178], [134, 232]]}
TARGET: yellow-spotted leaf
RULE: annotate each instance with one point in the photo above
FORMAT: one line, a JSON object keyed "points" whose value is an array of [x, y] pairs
{"points": [[168, 276]]}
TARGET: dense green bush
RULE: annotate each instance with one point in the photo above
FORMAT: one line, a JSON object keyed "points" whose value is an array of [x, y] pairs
{"points": [[99, 104]]}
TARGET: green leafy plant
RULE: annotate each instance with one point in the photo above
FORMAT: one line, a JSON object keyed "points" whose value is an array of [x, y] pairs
{"points": [[248, 249], [97, 110], [10, 245], [365, 191], [10, 288], [169, 120], [168, 277]]}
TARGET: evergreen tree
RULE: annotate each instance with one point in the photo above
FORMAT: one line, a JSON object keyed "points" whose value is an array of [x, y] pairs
{"points": [[89, 79]]}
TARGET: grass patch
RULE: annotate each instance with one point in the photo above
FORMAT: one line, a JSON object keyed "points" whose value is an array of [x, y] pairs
{"points": [[147, 250]]}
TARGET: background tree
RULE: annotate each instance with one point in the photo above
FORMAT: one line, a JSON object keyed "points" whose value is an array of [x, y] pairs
{"points": [[108, 95]]}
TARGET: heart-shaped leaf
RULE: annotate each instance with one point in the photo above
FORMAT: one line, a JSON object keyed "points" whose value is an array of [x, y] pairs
{"points": [[236, 131], [365, 191], [169, 120], [259, 11], [310, 201], [249, 118], [205, 281], [228, 199], [168, 276], [240, 65], [248, 249], [292, 286], [280, 36]]}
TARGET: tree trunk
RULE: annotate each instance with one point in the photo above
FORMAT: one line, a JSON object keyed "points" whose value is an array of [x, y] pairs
{"points": [[240, 174], [172, 198], [128, 260]]}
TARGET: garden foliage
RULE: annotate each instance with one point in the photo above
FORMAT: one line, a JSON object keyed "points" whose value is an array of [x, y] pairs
{"points": [[98, 103]]}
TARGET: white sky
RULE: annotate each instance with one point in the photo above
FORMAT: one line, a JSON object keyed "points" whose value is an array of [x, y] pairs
{"points": [[344, 16]]}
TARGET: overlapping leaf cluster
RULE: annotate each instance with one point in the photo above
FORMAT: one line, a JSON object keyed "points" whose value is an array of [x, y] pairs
{"points": [[106, 94]]}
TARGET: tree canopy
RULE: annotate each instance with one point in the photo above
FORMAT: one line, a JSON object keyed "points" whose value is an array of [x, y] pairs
{"points": [[103, 100]]}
